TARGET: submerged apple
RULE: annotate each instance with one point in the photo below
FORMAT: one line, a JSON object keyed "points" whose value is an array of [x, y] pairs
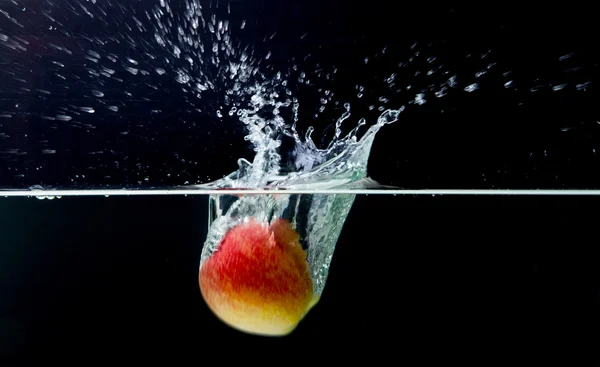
{"points": [[258, 280]]}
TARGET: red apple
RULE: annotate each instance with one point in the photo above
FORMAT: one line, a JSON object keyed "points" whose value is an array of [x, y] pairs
{"points": [[258, 280]]}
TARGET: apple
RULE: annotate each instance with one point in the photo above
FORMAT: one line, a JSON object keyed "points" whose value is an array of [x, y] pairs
{"points": [[258, 279]]}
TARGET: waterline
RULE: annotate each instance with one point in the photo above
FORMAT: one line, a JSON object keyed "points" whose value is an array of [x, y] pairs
{"points": [[158, 192]]}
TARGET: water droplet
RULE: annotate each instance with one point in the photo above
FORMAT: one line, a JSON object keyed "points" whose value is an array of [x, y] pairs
{"points": [[182, 77], [472, 87], [87, 109], [452, 81], [440, 93], [567, 56], [131, 70], [559, 87], [583, 86], [420, 99], [63, 117]]}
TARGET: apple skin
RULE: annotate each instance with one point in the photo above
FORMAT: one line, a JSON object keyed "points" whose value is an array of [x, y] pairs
{"points": [[258, 280]]}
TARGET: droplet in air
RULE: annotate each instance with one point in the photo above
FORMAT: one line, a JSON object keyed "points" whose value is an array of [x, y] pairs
{"points": [[420, 99], [559, 87], [472, 87]]}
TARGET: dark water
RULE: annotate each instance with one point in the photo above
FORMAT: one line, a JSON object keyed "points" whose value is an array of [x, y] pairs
{"points": [[416, 280]]}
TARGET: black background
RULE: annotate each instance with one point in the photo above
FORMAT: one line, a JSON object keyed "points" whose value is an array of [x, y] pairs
{"points": [[440, 280]]}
